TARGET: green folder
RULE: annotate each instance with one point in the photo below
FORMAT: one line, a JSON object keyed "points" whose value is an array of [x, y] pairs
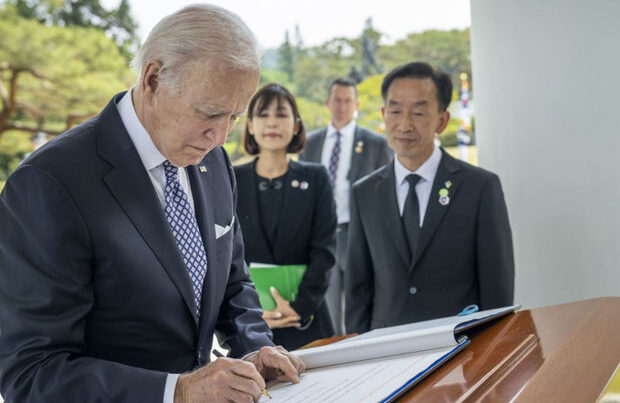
{"points": [[285, 278]]}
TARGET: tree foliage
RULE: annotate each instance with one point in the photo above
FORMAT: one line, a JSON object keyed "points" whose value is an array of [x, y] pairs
{"points": [[287, 58], [52, 77], [13, 147], [446, 50], [365, 55], [61, 60], [367, 58], [116, 23]]}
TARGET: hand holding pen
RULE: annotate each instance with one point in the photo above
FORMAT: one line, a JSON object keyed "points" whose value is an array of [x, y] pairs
{"points": [[277, 364], [224, 380], [230, 379], [220, 355]]}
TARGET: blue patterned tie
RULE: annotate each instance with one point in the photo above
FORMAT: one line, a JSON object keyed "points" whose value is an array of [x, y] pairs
{"points": [[184, 227], [334, 159]]}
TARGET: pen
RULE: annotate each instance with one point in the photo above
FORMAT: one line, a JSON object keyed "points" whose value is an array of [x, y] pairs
{"points": [[217, 353]]}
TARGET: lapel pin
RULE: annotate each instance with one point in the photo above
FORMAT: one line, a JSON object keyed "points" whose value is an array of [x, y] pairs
{"points": [[359, 147], [303, 185], [448, 184], [295, 183], [444, 200], [443, 192], [202, 169]]}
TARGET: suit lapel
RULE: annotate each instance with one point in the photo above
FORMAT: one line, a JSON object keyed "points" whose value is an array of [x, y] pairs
{"points": [[251, 206], [394, 226], [356, 158], [296, 200], [130, 184], [435, 211], [316, 153]]}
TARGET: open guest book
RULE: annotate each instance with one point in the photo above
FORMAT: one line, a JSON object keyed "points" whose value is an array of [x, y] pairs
{"points": [[380, 365]]}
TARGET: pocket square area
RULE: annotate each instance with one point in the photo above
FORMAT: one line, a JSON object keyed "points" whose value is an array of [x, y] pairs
{"points": [[223, 230]]}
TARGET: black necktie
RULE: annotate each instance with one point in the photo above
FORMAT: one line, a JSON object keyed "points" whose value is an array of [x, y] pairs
{"points": [[411, 215]]}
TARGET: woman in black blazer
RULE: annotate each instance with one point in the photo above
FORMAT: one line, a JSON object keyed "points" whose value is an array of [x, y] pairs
{"points": [[287, 214]]}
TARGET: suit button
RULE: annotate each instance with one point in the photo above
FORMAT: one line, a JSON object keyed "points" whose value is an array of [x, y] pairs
{"points": [[413, 290]]}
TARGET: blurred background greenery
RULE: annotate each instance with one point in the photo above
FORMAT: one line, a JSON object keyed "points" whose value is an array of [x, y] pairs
{"points": [[62, 60]]}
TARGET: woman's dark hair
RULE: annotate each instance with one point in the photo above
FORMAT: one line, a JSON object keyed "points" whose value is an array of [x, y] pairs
{"points": [[261, 101]]}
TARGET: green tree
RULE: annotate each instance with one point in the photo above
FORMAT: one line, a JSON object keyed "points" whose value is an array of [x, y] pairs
{"points": [[447, 50], [117, 23], [321, 64], [313, 114], [13, 147], [276, 76], [52, 77], [286, 58], [369, 96]]}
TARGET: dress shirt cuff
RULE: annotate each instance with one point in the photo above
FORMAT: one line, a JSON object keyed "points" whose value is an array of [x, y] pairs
{"points": [[171, 384]]}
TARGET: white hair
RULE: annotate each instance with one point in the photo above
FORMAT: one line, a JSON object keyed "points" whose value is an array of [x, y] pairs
{"points": [[197, 33]]}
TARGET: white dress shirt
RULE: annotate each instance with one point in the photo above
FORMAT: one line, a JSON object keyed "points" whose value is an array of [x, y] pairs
{"points": [[427, 172], [342, 187], [152, 160]]}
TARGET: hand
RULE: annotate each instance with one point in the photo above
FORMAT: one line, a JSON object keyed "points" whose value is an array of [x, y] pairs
{"points": [[224, 380], [275, 363], [283, 315]]}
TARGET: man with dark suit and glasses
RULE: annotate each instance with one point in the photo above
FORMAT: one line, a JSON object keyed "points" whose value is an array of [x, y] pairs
{"points": [[120, 251], [349, 152], [442, 240]]}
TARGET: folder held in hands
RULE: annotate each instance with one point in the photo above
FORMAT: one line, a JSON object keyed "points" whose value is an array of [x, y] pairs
{"points": [[285, 279]]}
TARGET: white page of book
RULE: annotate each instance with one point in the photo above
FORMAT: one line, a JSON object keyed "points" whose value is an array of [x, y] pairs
{"points": [[388, 344], [393, 340], [363, 381], [440, 323]]}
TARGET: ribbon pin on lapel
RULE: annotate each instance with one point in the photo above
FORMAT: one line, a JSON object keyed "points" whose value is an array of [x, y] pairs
{"points": [[444, 194], [359, 147]]}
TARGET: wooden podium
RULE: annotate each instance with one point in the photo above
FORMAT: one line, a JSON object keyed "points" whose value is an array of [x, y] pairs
{"points": [[560, 353]]}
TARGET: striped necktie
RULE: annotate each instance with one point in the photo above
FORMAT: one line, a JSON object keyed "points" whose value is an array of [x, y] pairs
{"points": [[334, 159]]}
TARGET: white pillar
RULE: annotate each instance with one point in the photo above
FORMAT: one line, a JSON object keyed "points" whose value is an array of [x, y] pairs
{"points": [[546, 82]]}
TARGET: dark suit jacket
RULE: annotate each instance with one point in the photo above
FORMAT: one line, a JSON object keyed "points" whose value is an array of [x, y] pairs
{"points": [[375, 151], [95, 301], [306, 235], [464, 254]]}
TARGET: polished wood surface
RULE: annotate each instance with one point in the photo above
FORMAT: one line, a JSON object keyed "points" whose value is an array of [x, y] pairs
{"points": [[560, 353]]}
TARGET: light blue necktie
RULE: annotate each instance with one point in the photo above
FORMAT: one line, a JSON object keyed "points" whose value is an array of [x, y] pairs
{"points": [[184, 227]]}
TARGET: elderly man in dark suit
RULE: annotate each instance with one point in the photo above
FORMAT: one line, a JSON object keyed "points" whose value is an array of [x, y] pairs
{"points": [[349, 152], [120, 252], [442, 240]]}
